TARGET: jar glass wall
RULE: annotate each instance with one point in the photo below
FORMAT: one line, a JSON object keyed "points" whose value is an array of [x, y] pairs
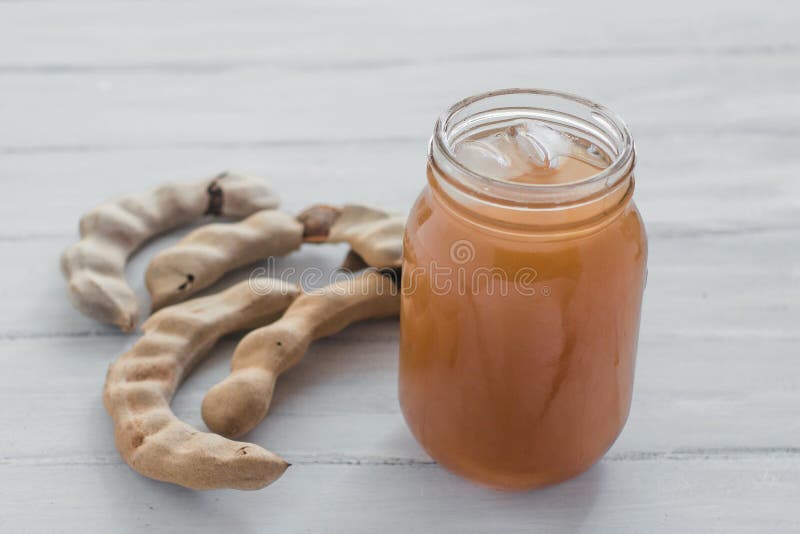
{"points": [[521, 298]]}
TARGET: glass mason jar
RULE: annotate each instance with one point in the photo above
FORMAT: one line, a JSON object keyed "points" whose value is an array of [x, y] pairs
{"points": [[521, 298]]}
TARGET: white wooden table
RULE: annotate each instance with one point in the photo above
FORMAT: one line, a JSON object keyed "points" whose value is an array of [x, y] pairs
{"points": [[335, 103]]}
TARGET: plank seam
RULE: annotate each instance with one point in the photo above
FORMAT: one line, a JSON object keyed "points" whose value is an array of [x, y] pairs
{"points": [[367, 64], [678, 455], [732, 131]]}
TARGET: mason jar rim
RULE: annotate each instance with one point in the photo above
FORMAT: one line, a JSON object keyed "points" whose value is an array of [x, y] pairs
{"points": [[515, 192]]}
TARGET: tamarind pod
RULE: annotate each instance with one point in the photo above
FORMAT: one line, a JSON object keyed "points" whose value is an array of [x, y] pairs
{"points": [[375, 234], [95, 266], [141, 383], [238, 403], [202, 257], [317, 221]]}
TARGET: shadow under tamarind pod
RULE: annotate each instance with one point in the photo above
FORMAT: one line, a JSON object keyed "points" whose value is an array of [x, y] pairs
{"points": [[238, 403], [141, 383], [95, 266]]}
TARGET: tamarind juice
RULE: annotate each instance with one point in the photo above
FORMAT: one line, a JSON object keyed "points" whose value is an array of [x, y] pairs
{"points": [[522, 283]]}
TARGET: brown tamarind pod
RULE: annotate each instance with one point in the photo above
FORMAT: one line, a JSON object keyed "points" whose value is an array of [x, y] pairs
{"points": [[95, 266], [206, 254], [374, 234], [237, 404], [141, 383]]}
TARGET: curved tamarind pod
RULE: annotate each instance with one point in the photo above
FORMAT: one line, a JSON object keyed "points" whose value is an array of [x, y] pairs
{"points": [[141, 383], [202, 257], [237, 404], [376, 235], [95, 266]]}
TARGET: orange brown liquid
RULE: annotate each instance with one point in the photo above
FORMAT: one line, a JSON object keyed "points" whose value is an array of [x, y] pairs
{"points": [[568, 170], [518, 385]]}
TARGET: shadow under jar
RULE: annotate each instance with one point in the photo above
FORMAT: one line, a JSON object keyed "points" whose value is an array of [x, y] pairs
{"points": [[524, 269]]}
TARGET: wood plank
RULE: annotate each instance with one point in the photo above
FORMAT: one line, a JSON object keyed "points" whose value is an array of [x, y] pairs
{"points": [[77, 110], [113, 36], [730, 495], [680, 189], [727, 160], [694, 396]]}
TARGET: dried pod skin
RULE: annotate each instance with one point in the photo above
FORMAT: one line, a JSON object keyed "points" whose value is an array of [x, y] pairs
{"points": [[374, 234], [317, 221], [95, 266], [141, 383], [206, 254], [237, 404]]}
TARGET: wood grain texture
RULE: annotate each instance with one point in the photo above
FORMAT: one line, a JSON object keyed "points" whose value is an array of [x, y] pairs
{"points": [[334, 102], [733, 494], [317, 417]]}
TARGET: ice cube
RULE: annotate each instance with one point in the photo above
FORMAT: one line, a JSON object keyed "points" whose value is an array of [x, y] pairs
{"points": [[538, 145], [486, 156], [518, 148]]}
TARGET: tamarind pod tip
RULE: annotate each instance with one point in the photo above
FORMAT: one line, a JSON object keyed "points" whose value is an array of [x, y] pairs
{"points": [[202, 461], [162, 293], [236, 405], [104, 300], [234, 194], [253, 469], [258, 469]]}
